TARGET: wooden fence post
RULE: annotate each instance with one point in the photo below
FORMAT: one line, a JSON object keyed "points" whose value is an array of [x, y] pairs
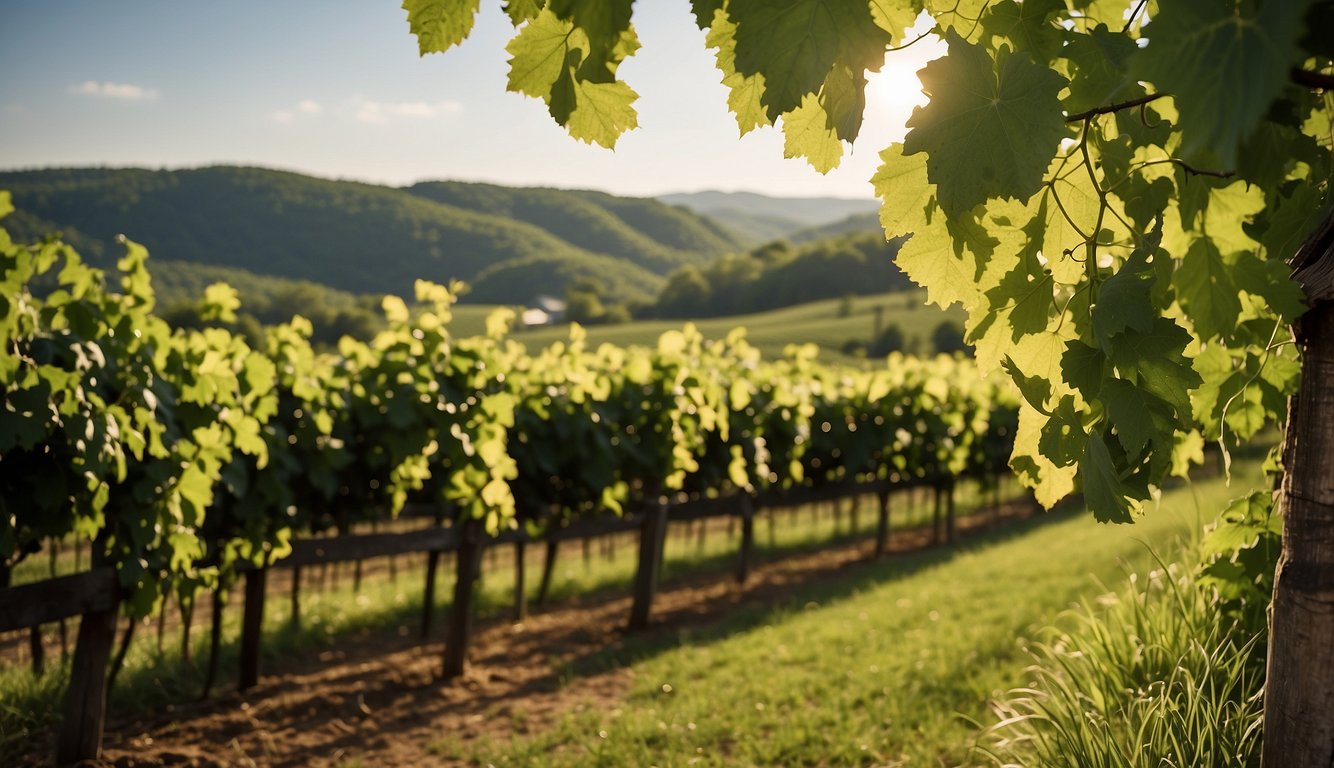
{"points": [[949, 513], [468, 562], [86, 701], [935, 514], [746, 511], [428, 593], [295, 598], [520, 585], [252, 627], [548, 567], [651, 536], [882, 526]]}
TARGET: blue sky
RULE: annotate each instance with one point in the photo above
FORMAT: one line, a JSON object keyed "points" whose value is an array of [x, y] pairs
{"points": [[336, 89]]}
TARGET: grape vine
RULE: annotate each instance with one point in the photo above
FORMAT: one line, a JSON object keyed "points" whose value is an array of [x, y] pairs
{"points": [[184, 455]]}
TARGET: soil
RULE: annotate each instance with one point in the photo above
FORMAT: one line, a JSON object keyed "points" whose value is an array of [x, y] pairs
{"points": [[379, 698]]}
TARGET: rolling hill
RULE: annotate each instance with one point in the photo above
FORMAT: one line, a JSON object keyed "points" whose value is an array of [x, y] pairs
{"points": [[763, 218], [365, 238], [856, 224], [645, 232]]}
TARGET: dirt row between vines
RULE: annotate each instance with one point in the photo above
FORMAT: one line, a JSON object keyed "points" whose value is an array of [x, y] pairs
{"points": [[378, 698]]}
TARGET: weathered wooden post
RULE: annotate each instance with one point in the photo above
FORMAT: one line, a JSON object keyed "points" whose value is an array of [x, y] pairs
{"points": [[428, 593], [252, 627], [86, 700], [745, 511], [882, 525], [937, 508], [469, 563], [949, 513], [548, 567], [520, 584], [295, 598], [651, 535]]}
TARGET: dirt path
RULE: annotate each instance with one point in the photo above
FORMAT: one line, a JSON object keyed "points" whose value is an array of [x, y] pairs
{"points": [[378, 698]]}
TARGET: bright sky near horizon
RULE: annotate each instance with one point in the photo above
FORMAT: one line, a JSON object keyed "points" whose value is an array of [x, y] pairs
{"points": [[336, 89]]}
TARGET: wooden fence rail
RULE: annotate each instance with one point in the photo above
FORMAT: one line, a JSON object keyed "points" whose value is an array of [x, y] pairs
{"points": [[95, 595]]}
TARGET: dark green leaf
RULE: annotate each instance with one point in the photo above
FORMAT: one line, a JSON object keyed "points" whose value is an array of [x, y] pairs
{"points": [[990, 129]]}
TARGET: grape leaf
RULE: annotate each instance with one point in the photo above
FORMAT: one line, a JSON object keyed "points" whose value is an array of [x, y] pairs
{"points": [[1271, 280], [843, 98], [1139, 417], [1267, 156], [1207, 292], [1021, 303], [1224, 63], [548, 60], [990, 128], [602, 112], [604, 24], [1154, 359], [1103, 490], [538, 54], [946, 258], [795, 43], [1082, 367], [440, 24], [744, 92], [955, 15], [704, 11], [1027, 27], [1070, 209], [520, 11], [1063, 435], [1036, 390], [1290, 218], [806, 133], [905, 194], [1099, 69], [895, 17], [1124, 300], [1049, 482]]}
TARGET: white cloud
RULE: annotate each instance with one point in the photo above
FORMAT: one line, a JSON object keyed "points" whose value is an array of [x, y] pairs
{"points": [[118, 91], [283, 117], [310, 107], [380, 113]]}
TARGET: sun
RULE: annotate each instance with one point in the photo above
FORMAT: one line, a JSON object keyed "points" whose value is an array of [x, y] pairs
{"points": [[895, 90]]}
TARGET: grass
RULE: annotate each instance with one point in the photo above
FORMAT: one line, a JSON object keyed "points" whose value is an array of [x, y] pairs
{"points": [[1155, 675], [154, 679], [894, 665]]}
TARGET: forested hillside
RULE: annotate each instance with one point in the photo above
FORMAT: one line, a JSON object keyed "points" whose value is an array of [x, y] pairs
{"points": [[646, 232], [781, 275], [366, 238]]}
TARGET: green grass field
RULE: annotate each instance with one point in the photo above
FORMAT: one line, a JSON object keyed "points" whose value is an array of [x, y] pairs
{"points": [[890, 663], [893, 665], [822, 323], [333, 611]]}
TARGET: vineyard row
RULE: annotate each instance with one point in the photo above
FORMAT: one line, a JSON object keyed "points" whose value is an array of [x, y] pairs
{"points": [[189, 456]]}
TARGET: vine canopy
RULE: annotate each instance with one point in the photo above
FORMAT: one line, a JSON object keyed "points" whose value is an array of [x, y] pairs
{"points": [[1109, 188]]}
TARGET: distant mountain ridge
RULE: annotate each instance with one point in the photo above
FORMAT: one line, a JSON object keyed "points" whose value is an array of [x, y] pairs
{"points": [[508, 243], [763, 218]]}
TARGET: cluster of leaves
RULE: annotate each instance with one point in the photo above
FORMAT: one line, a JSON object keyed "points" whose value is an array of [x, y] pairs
{"points": [[113, 428], [186, 454], [1109, 188]]}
